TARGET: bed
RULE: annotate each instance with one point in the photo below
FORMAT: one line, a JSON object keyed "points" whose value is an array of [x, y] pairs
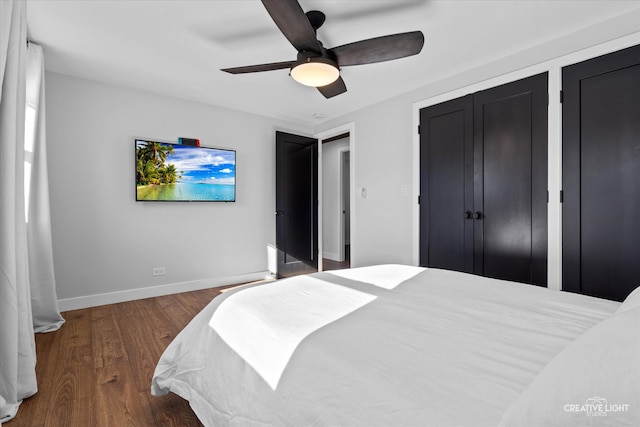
{"points": [[394, 345]]}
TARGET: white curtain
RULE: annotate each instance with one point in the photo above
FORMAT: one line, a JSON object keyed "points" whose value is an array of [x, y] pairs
{"points": [[44, 301], [25, 271]]}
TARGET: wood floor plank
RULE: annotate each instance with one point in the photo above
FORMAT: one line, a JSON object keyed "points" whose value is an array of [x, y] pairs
{"points": [[164, 331], [72, 376], [170, 410], [194, 302], [177, 312], [144, 351], [117, 400], [97, 369], [47, 346], [107, 343], [126, 310]]}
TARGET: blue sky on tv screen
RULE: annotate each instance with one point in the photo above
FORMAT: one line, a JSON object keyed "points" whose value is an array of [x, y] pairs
{"points": [[203, 165]]}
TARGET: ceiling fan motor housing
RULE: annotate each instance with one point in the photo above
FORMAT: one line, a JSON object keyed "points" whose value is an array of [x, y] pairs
{"points": [[309, 56]]}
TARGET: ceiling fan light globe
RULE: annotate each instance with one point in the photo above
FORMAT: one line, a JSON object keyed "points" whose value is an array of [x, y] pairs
{"points": [[315, 72]]}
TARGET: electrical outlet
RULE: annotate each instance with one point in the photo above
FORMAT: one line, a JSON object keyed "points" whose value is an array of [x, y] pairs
{"points": [[158, 271]]}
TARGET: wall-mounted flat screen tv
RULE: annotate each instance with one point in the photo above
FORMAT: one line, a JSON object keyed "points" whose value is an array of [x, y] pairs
{"points": [[183, 173]]}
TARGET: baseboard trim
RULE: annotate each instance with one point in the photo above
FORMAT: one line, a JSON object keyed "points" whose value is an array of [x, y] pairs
{"points": [[156, 291]]}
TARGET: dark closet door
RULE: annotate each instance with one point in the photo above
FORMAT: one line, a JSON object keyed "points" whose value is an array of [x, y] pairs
{"points": [[510, 185], [601, 175], [296, 204], [446, 185], [483, 183]]}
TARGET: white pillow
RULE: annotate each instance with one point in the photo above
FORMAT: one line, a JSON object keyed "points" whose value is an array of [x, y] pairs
{"points": [[599, 370], [631, 301]]}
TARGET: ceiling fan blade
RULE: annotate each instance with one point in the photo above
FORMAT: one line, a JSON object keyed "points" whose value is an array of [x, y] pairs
{"points": [[379, 49], [258, 68], [333, 89], [293, 23]]}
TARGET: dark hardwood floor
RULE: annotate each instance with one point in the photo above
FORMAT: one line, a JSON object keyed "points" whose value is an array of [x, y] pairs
{"points": [[328, 264], [96, 370]]}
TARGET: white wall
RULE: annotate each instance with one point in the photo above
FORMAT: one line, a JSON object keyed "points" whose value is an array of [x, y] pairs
{"points": [[105, 243], [381, 159], [332, 198], [385, 145]]}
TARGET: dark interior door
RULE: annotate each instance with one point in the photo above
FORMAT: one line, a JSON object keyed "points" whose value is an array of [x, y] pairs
{"points": [[510, 188], [446, 185], [483, 183], [296, 204], [601, 175]]}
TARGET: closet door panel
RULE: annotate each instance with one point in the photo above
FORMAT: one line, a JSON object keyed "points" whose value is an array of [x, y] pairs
{"points": [[610, 176], [446, 182], [510, 192], [601, 175], [506, 188]]}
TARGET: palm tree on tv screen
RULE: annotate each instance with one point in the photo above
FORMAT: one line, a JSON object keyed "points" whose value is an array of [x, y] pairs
{"points": [[150, 164]]}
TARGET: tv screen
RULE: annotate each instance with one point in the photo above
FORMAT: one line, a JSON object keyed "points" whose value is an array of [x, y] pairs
{"points": [[184, 173]]}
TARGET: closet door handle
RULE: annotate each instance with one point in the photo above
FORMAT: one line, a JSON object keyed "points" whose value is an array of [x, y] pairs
{"points": [[468, 215], [477, 215]]}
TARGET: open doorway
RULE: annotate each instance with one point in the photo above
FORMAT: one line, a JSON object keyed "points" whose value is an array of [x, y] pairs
{"points": [[336, 212]]}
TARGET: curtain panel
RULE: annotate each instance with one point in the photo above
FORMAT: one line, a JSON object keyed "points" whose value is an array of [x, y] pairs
{"points": [[21, 278], [17, 344], [44, 301]]}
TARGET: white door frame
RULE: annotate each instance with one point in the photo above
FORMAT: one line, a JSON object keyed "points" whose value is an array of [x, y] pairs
{"points": [[341, 240], [321, 136]]}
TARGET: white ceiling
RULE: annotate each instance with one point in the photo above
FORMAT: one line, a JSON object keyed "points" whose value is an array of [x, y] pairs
{"points": [[177, 47]]}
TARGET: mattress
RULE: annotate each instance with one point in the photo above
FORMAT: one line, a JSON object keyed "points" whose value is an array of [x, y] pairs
{"points": [[385, 345]]}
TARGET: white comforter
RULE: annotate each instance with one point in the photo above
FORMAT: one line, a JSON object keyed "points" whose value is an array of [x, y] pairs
{"points": [[391, 346]]}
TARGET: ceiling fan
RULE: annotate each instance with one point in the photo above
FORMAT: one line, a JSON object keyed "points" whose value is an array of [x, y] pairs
{"points": [[318, 66]]}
